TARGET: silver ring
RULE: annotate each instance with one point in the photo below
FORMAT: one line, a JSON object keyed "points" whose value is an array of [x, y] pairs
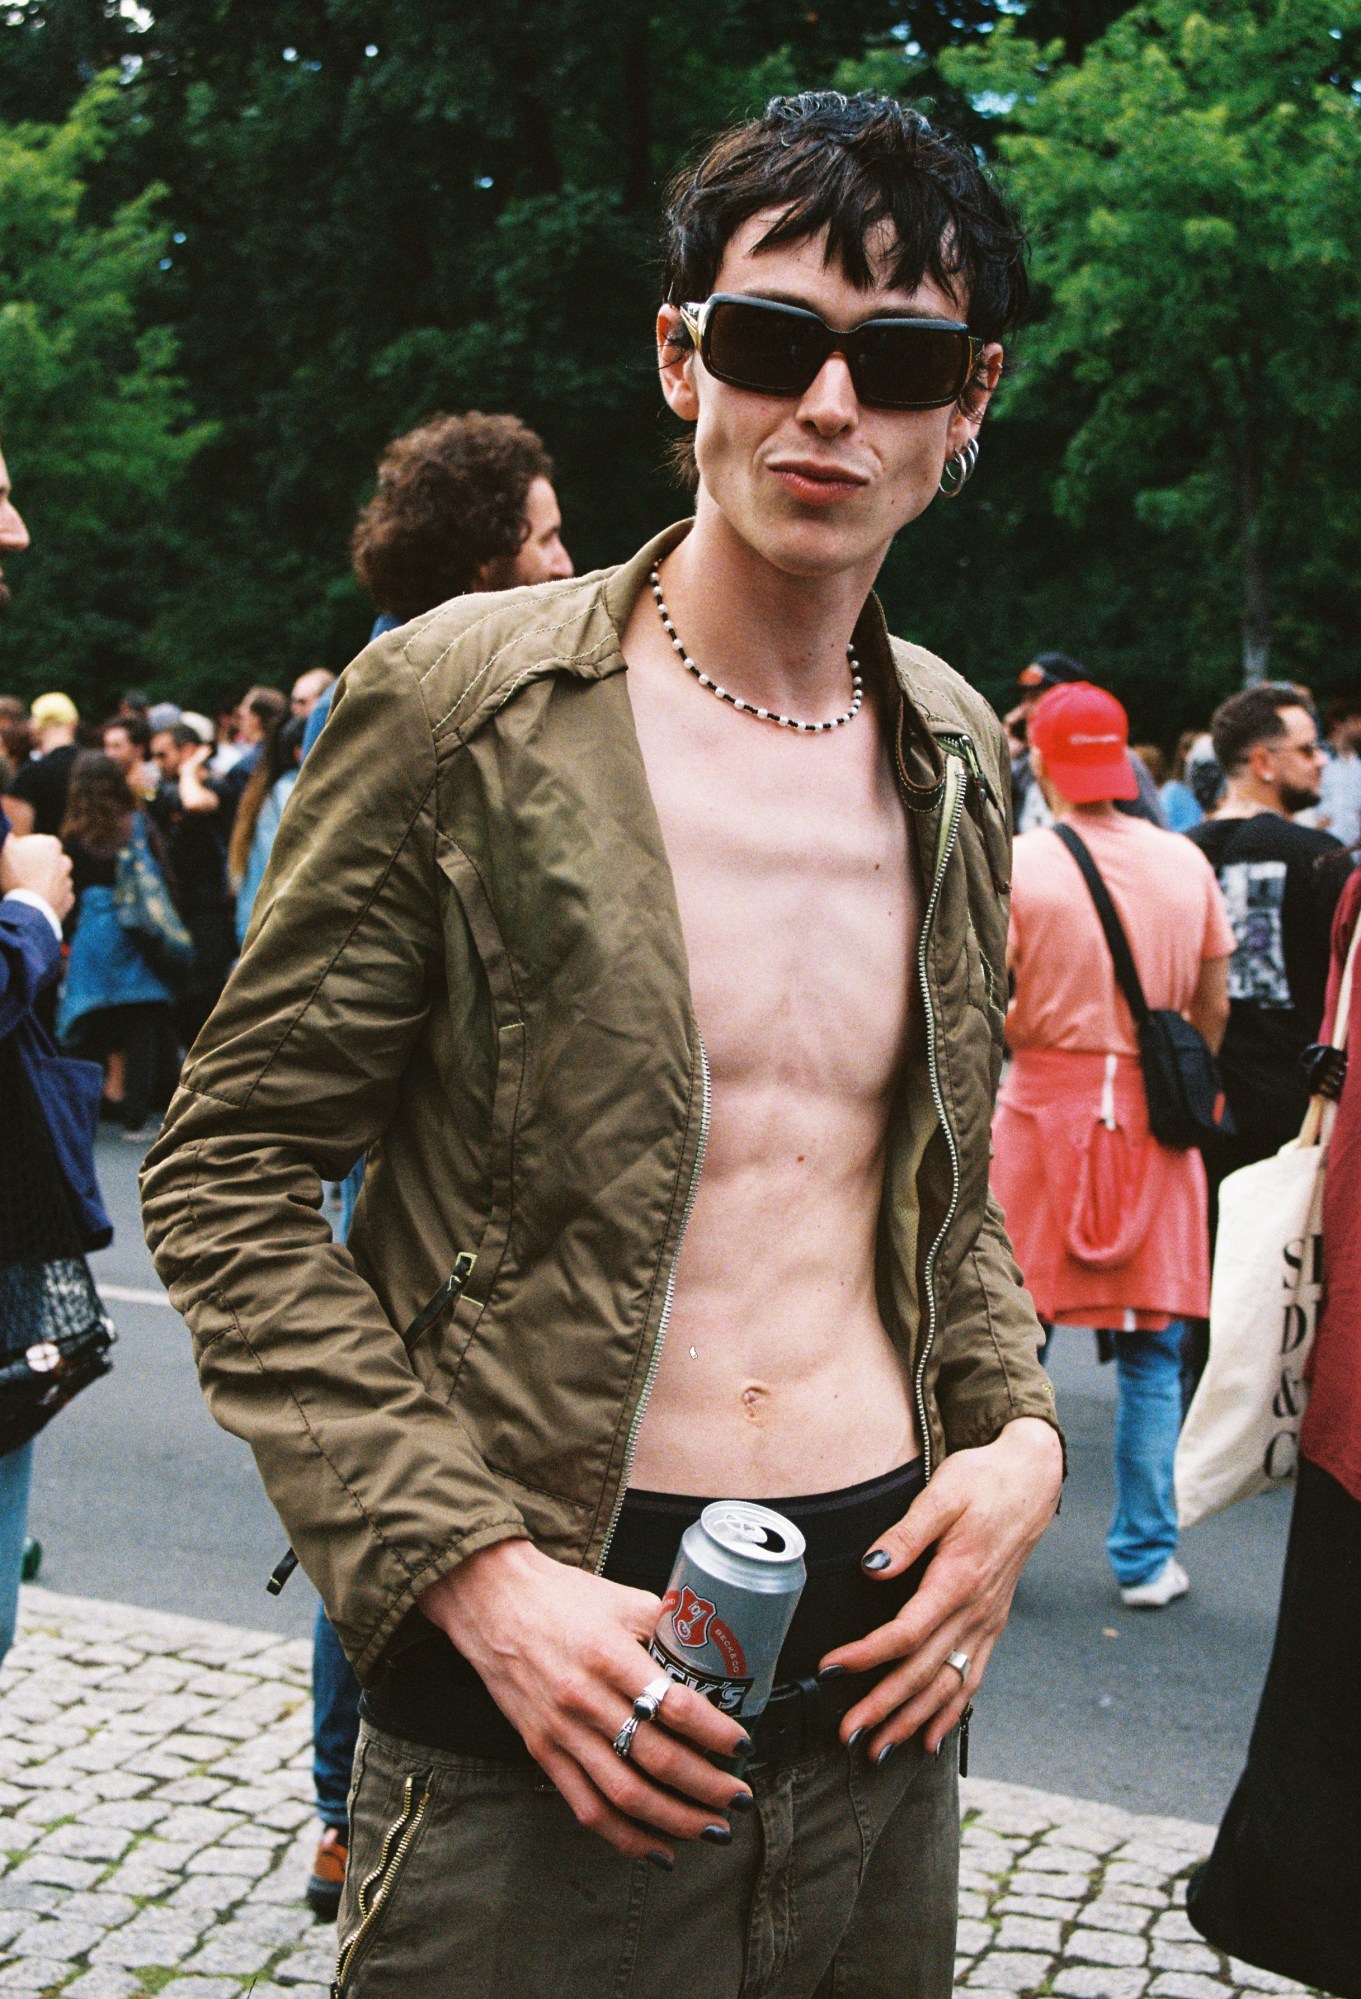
{"points": [[623, 1742], [649, 1702], [961, 1663]]}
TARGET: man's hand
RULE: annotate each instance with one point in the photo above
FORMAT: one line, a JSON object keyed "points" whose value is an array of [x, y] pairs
{"points": [[36, 861], [564, 1655], [984, 1511]]}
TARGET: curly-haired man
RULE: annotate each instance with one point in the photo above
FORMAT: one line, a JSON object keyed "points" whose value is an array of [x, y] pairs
{"points": [[649, 931]]}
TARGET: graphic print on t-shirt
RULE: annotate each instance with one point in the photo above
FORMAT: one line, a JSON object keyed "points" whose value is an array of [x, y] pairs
{"points": [[1254, 892]]}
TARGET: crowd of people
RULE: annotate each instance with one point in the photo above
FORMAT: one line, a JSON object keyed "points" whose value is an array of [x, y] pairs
{"points": [[442, 1514]]}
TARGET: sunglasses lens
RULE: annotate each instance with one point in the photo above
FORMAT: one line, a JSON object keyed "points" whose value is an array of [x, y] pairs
{"points": [[764, 348], [911, 367]]}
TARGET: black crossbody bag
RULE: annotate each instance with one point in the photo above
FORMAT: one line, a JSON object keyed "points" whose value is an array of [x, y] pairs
{"points": [[1186, 1104]]}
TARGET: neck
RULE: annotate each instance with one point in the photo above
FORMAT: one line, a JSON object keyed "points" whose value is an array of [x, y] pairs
{"points": [[1244, 796], [1102, 809], [773, 636]]}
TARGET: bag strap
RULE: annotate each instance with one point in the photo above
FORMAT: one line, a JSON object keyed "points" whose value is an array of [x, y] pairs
{"points": [[1126, 972]]}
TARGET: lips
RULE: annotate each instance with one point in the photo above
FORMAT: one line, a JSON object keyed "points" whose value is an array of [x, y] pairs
{"points": [[818, 484]]}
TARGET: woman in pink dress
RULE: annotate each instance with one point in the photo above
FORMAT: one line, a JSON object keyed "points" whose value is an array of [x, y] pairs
{"points": [[1109, 1226]]}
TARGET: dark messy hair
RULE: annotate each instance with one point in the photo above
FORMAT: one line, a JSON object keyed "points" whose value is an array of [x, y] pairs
{"points": [[134, 727], [451, 499], [1250, 717], [99, 804], [865, 169]]}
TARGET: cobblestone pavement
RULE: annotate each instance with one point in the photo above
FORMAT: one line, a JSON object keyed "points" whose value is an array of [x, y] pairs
{"points": [[156, 1833]]}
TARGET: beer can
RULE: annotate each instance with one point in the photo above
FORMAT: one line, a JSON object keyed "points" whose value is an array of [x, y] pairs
{"points": [[738, 1577]]}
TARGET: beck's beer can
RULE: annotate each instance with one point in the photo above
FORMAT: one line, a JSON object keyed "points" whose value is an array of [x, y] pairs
{"points": [[738, 1577]]}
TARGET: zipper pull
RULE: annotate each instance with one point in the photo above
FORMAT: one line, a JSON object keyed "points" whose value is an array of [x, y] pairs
{"points": [[443, 1298], [281, 1571], [967, 749]]}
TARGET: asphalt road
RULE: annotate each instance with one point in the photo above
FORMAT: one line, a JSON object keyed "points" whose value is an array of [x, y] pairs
{"points": [[141, 1498]]}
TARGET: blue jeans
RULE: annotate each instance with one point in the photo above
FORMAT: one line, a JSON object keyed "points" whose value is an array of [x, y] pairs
{"points": [[15, 1471], [335, 1724], [1143, 1531]]}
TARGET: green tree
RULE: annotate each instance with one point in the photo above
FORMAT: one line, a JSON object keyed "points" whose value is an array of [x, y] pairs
{"points": [[1194, 188], [96, 427]]}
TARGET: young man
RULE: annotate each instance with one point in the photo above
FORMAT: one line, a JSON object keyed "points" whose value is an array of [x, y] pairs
{"points": [[1281, 883], [680, 1026]]}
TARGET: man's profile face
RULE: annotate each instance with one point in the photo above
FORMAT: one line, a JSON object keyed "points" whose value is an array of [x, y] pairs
{"points": [[817, 483], [541, 557], [118, 744], [165, 753], [308, 689], [13, 533], [1296, 761]]}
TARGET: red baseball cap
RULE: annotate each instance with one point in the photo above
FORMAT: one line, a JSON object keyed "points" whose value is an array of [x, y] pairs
{"points": [[1083, 735]]}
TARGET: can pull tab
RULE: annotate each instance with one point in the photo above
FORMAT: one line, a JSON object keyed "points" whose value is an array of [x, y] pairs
{"points": [[448, 1292]]}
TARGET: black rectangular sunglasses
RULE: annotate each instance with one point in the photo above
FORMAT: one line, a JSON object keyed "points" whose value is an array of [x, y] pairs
{"points": [[778, 350]]}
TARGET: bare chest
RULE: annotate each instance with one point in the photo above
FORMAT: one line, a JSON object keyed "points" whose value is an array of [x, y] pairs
{"points": [[797, 887]]}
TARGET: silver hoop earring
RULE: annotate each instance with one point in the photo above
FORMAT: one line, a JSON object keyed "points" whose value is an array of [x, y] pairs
{"points": [[960, 470]]}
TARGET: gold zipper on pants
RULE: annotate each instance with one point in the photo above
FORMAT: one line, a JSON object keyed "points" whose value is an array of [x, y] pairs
{"points": [[378, 1885]]}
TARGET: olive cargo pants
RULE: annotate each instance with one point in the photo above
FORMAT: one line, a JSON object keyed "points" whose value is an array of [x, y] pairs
{"points": [[470, 1879]]}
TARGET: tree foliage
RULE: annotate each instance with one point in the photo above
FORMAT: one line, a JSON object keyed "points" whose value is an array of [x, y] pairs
{"points": [[95, 416], [1194, 187], [372, 212]]}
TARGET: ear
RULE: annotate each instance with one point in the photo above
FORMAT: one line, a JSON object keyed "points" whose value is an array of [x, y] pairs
{"points": [[675, 364], [967, 415]]}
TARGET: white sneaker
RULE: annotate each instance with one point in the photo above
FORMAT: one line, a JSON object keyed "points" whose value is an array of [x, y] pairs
{"points": [[1170, 1582]]}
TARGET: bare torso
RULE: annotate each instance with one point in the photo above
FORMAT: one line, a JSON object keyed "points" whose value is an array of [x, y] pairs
{"points": [[800, 907]]}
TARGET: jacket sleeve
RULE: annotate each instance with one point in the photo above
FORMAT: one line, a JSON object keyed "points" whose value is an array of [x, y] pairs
{"points": [[377, 1483], [30, 954], [993, 1376]]}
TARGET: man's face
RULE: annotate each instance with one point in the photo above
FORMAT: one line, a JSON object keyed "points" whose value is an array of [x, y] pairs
{"points": [[249, 728], [308, 689], [541, 557], [165, 753], [13, 533], [817, 483], [1294, 761], [119, 745]]}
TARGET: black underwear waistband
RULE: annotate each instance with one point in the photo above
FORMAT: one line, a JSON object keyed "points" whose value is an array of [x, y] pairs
{"points": [[430, 1694]]}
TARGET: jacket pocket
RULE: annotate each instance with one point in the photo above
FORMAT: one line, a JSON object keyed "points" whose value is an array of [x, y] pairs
{"points": [[489, 943], [376, 1890]]}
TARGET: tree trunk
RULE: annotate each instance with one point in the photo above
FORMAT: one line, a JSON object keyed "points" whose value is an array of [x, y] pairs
{"points": [[1255, 619]]}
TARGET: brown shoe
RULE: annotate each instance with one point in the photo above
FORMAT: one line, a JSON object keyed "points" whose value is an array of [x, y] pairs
{"points": [[328, 1876]]}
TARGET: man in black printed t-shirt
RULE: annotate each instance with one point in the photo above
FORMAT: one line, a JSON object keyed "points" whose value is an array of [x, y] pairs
{"points": [[1281, 883]]}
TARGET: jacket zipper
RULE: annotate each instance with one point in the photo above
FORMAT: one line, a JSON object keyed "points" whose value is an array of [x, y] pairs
{"points": [[396, 1843], [952, 807], [631, 1449], [423, 1321], [965, 746]]}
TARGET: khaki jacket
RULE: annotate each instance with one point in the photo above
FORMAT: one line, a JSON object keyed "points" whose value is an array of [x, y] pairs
{"points": [[466, 961]]}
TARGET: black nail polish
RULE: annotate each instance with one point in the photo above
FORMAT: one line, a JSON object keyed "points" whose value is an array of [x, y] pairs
{"points": [[939, 1746], [854, 1737], [717, 1835], [877, 1558], [741, 1801], [662, 1860], [884, 1754], [832, 1673], [744, 1746]]}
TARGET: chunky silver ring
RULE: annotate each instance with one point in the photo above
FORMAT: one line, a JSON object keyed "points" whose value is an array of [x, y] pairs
{"points": [[623, 1742], [961, 1663], [649, 1702]]}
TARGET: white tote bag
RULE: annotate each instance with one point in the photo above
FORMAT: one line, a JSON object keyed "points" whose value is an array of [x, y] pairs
{"points": [[1241, 1434]]}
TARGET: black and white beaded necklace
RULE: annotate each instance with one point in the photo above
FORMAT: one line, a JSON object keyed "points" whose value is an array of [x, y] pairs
{"points": [[750, 707]]}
